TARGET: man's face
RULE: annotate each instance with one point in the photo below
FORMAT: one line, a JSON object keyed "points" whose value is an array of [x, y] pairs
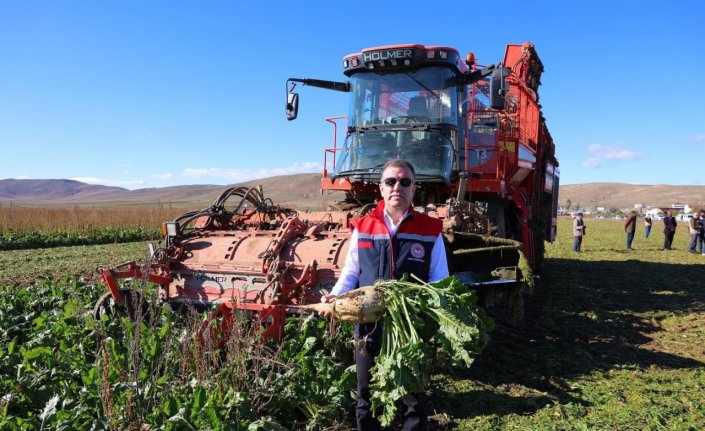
{"points": [[397, 196]]}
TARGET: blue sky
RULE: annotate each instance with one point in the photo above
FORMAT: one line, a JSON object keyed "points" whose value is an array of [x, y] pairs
{"points": [[159, 93]]}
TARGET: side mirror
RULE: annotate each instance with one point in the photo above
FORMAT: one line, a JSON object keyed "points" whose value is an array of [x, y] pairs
{"points": [[498, 87], [292, 106]]}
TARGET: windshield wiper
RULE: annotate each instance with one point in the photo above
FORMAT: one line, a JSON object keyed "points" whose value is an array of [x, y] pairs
{"points": [[373, 170], [394, 126], [366, 127], [370, 170], [387, 127], [423, 85]]}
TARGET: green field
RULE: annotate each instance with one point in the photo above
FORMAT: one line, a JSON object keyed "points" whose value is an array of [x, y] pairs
{"points": [[610, 340]]}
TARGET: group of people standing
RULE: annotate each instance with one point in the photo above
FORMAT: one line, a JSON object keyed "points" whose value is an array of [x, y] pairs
{"points": [[696, 229]]}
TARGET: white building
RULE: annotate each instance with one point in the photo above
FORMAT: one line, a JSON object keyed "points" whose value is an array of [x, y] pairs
{"points": [[655, 214]]}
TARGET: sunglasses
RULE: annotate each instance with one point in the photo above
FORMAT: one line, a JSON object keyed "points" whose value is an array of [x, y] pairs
{"points": [[390, 182]]}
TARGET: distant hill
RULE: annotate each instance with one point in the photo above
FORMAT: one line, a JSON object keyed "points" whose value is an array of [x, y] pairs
{"points": [[48, 190], [625, 196], [297, 191], [303, 191]]}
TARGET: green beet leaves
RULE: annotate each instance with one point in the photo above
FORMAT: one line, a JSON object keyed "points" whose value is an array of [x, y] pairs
{"points": [[423, 319]]}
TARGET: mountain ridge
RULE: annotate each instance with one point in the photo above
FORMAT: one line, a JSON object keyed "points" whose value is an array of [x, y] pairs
{"points": [[303, 191], [298, 190]]}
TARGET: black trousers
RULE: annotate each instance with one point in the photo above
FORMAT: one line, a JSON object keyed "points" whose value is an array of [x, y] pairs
{"points": [[414, 416], [668, 240]]}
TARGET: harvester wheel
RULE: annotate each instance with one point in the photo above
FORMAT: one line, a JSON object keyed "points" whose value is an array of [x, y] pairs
{"points": [[133, 307], [496, 213], [216, 329]]}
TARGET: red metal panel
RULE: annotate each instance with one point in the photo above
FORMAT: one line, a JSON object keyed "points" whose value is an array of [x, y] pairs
{"points": [[338, 184]]}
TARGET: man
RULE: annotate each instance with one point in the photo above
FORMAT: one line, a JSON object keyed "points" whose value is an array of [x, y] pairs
{"points": [[694, 229], [386, 243], [647, 226], [418, 109], [669, 230], [702, 231], [630, 228], [578, 231]]}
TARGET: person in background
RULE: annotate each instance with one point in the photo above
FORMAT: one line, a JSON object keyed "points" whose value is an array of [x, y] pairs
{"points": [[391, 240], [701, 235], [630, 229], [695, 227], [418, 109], [669, 229], [647, 226], [578, 231], [702, 232]]}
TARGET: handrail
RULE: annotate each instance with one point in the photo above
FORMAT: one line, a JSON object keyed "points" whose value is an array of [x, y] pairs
{"points": [[333, 121]]}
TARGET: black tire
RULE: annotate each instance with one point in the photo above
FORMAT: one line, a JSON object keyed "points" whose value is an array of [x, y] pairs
{"points": [[134, 307], [497, 219]]}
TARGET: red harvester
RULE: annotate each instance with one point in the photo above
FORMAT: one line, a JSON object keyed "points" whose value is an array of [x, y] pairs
{"points": [[485, 165]]}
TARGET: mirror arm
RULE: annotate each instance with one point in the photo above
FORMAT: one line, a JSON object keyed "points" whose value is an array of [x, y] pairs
{"points": [[476, 75], [328, 85]]}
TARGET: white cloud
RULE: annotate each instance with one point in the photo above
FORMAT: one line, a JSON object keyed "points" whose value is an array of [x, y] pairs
{"points": [[115, 183], [240, 175], [165, 176], [592, 163], [699, 138], [599, 154]]}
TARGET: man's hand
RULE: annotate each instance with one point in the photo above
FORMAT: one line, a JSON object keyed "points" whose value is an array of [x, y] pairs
{"points": [[326, 299]]}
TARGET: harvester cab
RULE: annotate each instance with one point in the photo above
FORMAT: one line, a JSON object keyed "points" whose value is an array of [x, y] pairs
{"points": [[405, 102]]}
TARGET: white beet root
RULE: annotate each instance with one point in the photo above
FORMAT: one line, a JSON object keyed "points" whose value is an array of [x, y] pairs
{"points": [[362, 305]]}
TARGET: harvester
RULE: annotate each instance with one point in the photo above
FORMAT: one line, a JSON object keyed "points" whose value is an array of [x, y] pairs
{"points": [[484, 162]]}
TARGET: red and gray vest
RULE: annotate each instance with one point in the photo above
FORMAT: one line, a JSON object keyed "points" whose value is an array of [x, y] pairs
{"points": [[384, 257]]}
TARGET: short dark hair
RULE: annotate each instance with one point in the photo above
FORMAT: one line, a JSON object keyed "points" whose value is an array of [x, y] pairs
{"points": [[399, 163]]}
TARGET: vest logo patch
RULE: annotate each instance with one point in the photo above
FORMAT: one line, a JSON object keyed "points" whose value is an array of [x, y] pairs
{"points": [[417, 250]]}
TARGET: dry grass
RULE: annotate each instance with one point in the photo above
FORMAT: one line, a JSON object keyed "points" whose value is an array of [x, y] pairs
{"points": [[82, 219]]}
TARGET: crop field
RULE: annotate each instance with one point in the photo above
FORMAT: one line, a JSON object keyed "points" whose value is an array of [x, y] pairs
{"points": [[40, 227], [82, 219], [610, 340]]}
